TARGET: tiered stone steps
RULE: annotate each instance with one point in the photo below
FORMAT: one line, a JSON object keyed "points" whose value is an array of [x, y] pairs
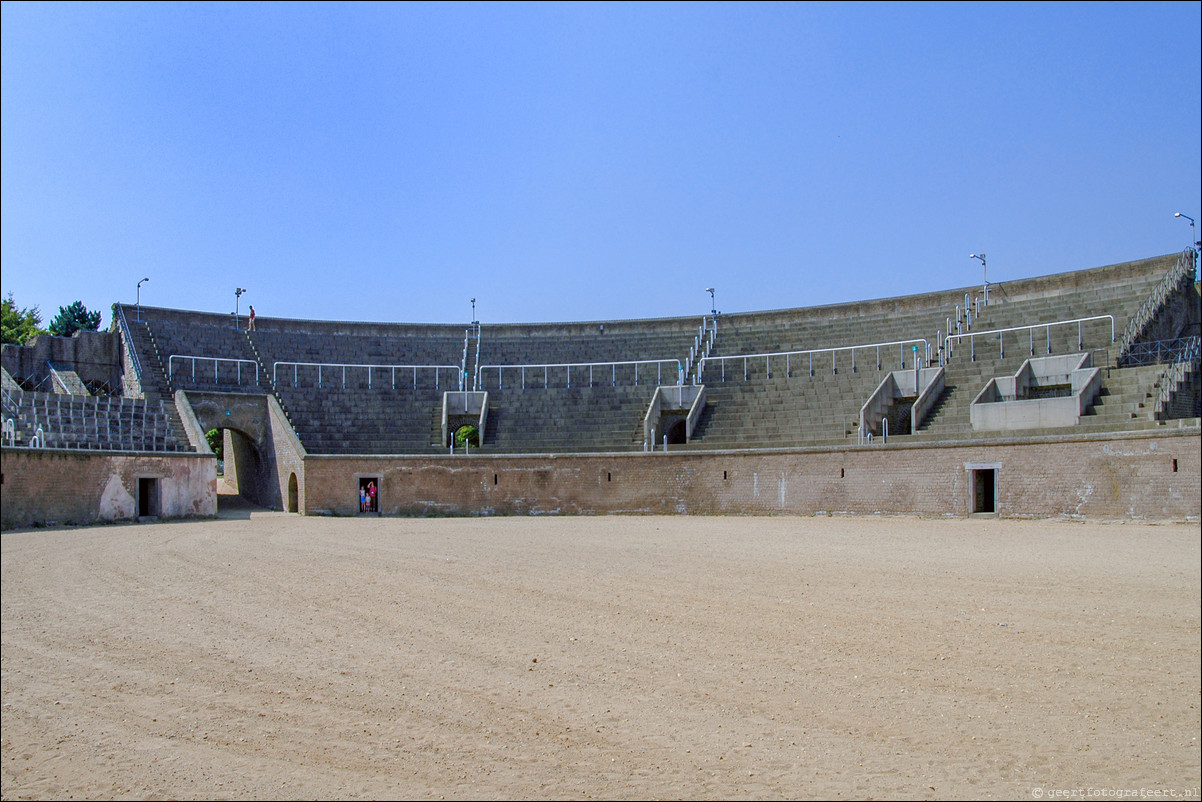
{"points": [[762, 404], [110, 423]]}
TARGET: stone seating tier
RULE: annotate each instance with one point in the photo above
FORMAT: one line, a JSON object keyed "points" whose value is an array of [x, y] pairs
{"points": [[756, 411], [89, 422]]}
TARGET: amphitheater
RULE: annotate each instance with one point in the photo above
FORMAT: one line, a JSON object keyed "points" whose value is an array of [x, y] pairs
{"points": [[941, 546], [1073, 394]]}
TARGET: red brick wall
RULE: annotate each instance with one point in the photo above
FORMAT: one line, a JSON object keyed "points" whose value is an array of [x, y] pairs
{"points": [[1115, 478], [1129, 477], [289, 455]]}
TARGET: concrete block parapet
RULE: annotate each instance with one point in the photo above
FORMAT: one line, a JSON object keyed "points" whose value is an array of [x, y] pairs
{"points": [[1010, 402]]}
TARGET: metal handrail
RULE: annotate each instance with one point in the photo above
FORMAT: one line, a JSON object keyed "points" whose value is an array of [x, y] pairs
{"points": [[275, 367], [478, 339], [590, 365], [1031, 328], [215, 359], [1152, 304], [1176, 372], [1158, 351], [129, 339], [833, 351], [57, 379]]}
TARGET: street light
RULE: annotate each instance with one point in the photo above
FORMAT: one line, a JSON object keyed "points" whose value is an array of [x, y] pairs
{"points": [[713, 305], [140, 283], [474, 311], [1194, 243], [1192, 235], [237, 297], [984, 275]]}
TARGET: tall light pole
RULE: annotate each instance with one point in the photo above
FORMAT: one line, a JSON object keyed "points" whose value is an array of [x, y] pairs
{"points": [[984, 275], [140, 283], [473, 311], [237, 297], [713, 304]]}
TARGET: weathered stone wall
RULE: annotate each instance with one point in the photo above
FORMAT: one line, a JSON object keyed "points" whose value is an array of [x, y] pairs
{"points": [[95, 355], [87, 487], [1141, 477]]}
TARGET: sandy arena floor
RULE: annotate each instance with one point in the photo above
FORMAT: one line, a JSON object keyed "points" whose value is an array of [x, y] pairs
{"points": [[269, 656]]}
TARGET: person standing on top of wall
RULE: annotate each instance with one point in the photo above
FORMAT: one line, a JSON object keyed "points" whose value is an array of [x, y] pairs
{"points": [[250, 322]]}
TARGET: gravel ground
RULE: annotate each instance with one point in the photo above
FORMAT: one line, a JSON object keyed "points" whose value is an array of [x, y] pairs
{"points": [[271, 656]]}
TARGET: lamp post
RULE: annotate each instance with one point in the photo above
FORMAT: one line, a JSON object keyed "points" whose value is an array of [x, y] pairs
{"points": [[140, 283], [237, 297], [1194, 243], [1192, 234], [474, 321], [713, 305], [984, 275]]}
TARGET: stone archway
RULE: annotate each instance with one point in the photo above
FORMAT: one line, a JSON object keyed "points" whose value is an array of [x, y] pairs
{"points": [[242, 463], [293, 494], [249, 454]]}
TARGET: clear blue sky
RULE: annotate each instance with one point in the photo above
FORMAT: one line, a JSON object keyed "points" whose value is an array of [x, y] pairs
{"points": [[582, 161]]}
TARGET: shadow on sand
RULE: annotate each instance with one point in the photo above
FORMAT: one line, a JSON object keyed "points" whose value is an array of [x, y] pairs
{"points": [[232, 505]]}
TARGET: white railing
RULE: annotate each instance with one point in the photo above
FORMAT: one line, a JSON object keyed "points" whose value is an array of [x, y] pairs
{"points": [[591, 366], [477, 362], [1001, 335], [703, 343], [216, 360], [810, 353], [463, 360], [340, 368]]}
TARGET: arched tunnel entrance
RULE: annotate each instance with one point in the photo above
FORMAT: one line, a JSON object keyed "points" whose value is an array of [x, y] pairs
{"points": [[238, 426], [239, 466], [677, 432]]}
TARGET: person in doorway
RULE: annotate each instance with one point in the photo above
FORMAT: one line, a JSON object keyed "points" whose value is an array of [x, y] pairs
{"points": [[250, 322], [362, 498], [371, 497]]}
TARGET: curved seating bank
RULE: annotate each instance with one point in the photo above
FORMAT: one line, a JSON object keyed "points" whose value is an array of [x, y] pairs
{"points": [[894, 405]]}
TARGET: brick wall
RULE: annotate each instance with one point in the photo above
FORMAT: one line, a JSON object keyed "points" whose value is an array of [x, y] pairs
{"points": [[79, 487], [1142, 477], [289, 457]]}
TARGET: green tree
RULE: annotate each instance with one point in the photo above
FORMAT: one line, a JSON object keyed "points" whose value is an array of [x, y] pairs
{"points": [[73, 318], [216, 441], [19, 325], [467, 433]]}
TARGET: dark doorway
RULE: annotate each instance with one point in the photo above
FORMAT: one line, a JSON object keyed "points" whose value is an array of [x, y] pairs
{"points": [[984, 490], [148, 497], [369, 494], [677, 433]]}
